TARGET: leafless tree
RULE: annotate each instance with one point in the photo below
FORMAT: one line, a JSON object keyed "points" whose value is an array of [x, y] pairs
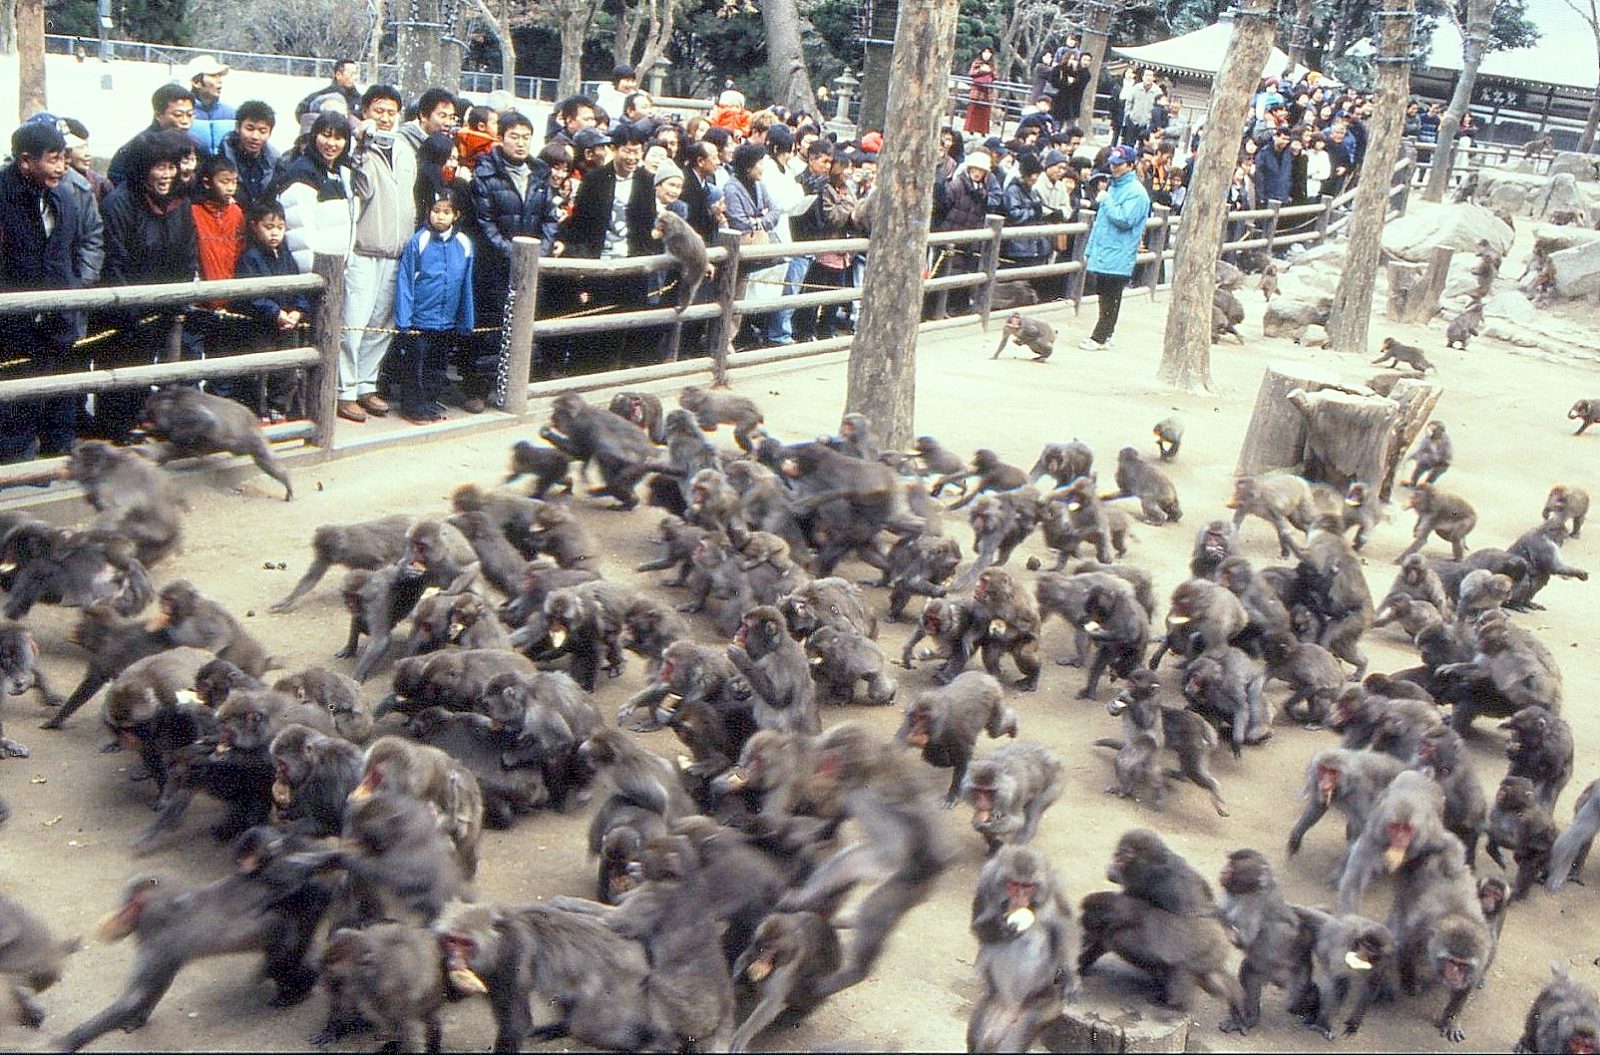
{"points": [[1589, 11], [325, 29]]}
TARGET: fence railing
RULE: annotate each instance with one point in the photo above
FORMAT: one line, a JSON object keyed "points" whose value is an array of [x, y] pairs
{"points": [[982, 268], [1469, 160]]}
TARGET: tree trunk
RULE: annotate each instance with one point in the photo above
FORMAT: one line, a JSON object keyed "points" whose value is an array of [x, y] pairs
{"points": [[629, 15], [508, 48], [663, 16], [1300, 33], [8, 27], [1352, 301], [30, 58], [453, 52], [417, 48], [574, 17], [375, 42], [1096, 37], [1480, 21], [1186, 353], [1349, 436], [1276, 437], [883, 356], [786, 61], [1586, 141]]}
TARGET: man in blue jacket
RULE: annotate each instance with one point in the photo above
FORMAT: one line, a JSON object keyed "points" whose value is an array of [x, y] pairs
{"points": [[213, 118], [1274, 168], [1113, 247]]}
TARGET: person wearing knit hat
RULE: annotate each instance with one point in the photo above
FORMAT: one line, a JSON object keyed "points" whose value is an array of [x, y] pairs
{"points": [[872, 142], [1022, 206], [1120, 212], [980, 161], [669, 170]]}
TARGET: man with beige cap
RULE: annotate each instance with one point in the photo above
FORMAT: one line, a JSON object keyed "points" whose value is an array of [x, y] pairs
{"points": [[213, 118]]}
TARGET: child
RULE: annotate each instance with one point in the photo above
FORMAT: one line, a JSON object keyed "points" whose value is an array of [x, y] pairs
{"points": [[277, 318], [433, 304], [219, 239]]}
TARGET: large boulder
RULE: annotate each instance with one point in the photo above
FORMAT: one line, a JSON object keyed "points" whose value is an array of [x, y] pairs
{"points": [[1512, 197], [1290, 318], [1562, 198], [1549, 238], [1580, 166], [1511, 306], [1577, 270], [1414, 236]]}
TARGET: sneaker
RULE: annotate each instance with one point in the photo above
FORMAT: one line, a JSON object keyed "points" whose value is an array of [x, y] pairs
{"points": [[374, 404], [350, 410], [1089, 344]]}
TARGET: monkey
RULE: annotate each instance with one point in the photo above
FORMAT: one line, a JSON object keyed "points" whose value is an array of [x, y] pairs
{"points": [[649, 626], [1180, 952], [313, 775], [1420, 581], [944, 724], [376, 601], [1351, 958], [1466, 324], [1136, 478], [1120, 630], [684, 244], [720, 408], [1442, 754], [1405, 825], [789, 954], [1027, 950], [769, 569], [481, 744], [713, 504], [1571, 847], [949, 623], [390, 975], [1536, 147], [636, 774], [1280, 498], [1350, 781], [935, 459], [623, 452], [1564, 1017], [1433, 455], [1202, 618], [1225, 688], [1010, 790], [133, 497], [679, 540], [1086, 520], [1005, 621], [1147, 869], [856, 438], [557, 534], [150, 707], [19, 673], [841, 657], [1540, 547], [399, 858], [548, 466], [992, 473], [1440, 932], [899, 858], [187, 618], [1539, 747], [440, 555], [1395, 353], [545, 716], [194, 423], [31, 959], [1510, 669], [1269, 282], [641, 408], [49, 565], [501, 560], [1169, 437], [1520, 823], [1213, 544], [1565, 503], [1401, 726], [1312, 673], [1277, 938], [718, 584], [920, 565], [433, 778], [1184, 732], [1413, 616], [1264, 610], [1226, 315], [829, 601], [1062, 462], [778, 670], [367, 546], [1036, 335], [1362, 510], [1330, 572], [1585, 412]]}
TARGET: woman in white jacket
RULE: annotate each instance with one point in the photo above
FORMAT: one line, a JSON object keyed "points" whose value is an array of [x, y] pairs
{"points": [[1319, 166], [318, 205]]}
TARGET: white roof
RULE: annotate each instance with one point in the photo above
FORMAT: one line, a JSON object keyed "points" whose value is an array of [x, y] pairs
{"points": [[1564, 55], [1203, 52]]}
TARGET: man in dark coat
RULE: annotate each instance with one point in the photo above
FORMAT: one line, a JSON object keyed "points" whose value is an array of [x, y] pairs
{"points": [[1275, 168], [40, 248], [343, 83]]}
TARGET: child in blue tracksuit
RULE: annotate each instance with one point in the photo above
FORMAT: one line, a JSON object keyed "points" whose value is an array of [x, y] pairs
{"points": [[433, 306]]}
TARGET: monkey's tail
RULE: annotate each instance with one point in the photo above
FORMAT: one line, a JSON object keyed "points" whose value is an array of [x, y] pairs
{"points": [[1117, 745]]}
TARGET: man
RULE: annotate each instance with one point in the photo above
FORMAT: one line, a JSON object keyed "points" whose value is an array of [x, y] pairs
{"points": [[386, 217], [436, 112], [343, 83], [248, 148], [598, 229], [42, 231], [571, 116], [1274, 168], [172, 107], [593, 150], [1139, 103], [700, 196], [808, 226], [213, 118], [1120, 213]]}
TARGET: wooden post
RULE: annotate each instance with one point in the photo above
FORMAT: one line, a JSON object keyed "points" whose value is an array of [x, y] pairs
{"points": [[1079, 254], [1409, 153], [173, 352], [322, 401], [990, 262], [1351, 314], [1158, 246], [1186, 349], [1325, 217], [517, 325], [723, 289], [1270, 232], [1423, 303], [883, 355]]}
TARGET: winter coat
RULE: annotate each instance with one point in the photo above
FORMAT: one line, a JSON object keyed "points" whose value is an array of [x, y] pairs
{"points": [[750, 210], [384, 186], [255, 173], [433, 290], [30, 259], [258, 261], [89, 250], [318, 208], [500, 214], [1023, 207], [1118, 227], [967, 203], [211, 124], [1274, 174], [352, 98], [144, 244]]}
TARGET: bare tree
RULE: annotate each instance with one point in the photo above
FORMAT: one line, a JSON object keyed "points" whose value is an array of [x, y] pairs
{"points": [[1475, 36], [1031, 25], [8, 27], [1589, 11], [791, 82], [571, 19], [325, 29], [1300, 33], [30, 58], [649, 22]]}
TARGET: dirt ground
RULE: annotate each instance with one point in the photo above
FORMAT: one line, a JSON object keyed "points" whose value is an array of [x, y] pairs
{"points": [[65, 848]]}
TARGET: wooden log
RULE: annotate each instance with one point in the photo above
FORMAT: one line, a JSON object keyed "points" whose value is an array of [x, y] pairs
{"points": [[1276, 437], [989, 263], [1415, 400], [1405, 278], [724, 285], [516, 351], [324, 384], [1423, 303], [152, 295], [1349, 436]]}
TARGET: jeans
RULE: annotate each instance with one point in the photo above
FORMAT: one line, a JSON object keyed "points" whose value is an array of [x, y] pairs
{"points": [[1110, 288], [780, 324]]}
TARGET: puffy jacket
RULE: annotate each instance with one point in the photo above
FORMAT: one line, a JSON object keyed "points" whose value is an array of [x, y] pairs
{"points": [[384, 186], [89, 248], [1023, 207], [318, 210], [255, 173], [1274, 174], [1118, 226], [967, 203], [433, 290], [211, 124], [500, 214], [144, 245]]}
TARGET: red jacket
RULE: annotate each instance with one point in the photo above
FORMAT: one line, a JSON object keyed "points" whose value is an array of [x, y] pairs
{"points": [[219, 240]]}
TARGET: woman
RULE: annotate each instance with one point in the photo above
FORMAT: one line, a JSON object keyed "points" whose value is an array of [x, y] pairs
{"points": [[314, 190], [1025, 208], [1073, 78], [838, 204], [982, 95], [439, 172], [749, 206]]}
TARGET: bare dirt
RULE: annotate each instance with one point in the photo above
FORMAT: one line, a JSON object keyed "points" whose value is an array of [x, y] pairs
{"points": [[66, 847]]}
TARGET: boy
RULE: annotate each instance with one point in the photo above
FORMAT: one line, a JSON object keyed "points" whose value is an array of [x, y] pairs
{"points": [[219, 239], [433, 305], [276, 318]]}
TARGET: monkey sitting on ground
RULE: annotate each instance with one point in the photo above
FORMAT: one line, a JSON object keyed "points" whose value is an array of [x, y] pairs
{"points": [[1027, 951], [684, 244], [1169, 437], [1038, 336], [1395, 353], [1136, 478]]}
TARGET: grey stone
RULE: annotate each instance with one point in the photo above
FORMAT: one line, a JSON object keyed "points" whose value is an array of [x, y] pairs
{"points": [[1548, 238], [1512, 197], [1082, 1029], [1577, 270], [1228, 276], [1290, 318], [1510, 305], [1580, 166], [1562, 196], [1415, 235]]}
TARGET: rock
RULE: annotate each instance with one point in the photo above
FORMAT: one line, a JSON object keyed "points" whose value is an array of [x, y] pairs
{"points": [[1577, 270], [1415, 235], [1512, 197], [1316, 336], [1080, 1029], [1580, 166], [1228, 276], [1562, 197], [1289, 318], [1510, 305], [1548, 238]]}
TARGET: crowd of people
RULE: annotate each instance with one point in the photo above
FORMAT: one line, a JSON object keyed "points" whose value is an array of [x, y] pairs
{"points": [[422, 198]]}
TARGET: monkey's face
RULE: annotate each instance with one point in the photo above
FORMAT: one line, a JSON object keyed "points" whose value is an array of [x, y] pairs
{"points": [[847, 429], [1400, 834], [1328, 778], [1244, 493], [919, 721]]}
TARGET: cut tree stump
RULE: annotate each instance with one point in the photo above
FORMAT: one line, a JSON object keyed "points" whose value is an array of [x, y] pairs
{"points": [[1416, 400], [1348, 436], [1276, 438], [1422, 303], [1405, 286]]}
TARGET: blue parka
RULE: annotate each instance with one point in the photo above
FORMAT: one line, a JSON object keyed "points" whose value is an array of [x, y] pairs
{"points": [[1118, 226]]}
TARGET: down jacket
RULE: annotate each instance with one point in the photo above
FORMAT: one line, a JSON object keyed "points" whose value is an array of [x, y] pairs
{"points": [[318, 209], [499, 214]]}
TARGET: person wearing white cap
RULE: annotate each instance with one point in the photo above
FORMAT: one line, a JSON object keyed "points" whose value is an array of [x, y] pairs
{"points": [[970, 196], [213, 118]]}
